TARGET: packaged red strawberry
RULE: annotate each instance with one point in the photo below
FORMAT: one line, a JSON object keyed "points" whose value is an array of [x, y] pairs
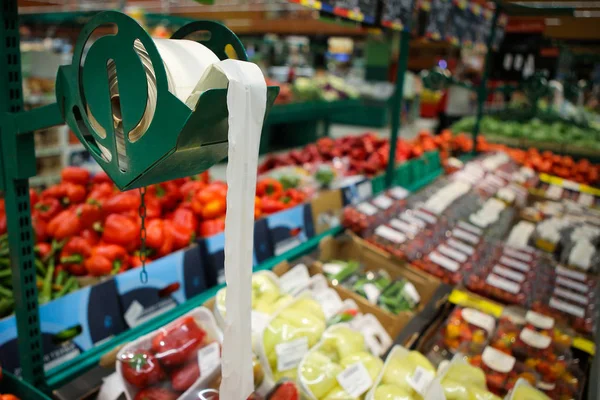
{"points": [[501, 369], [361, 218], [173, 362], [491, 284], [582, 319], [544, 347], [463, 325]]}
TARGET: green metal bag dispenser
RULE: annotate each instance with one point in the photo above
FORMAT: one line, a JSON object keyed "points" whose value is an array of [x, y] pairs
{"points": [[135, 143]]}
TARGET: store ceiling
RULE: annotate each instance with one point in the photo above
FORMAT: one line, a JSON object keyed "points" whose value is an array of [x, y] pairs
{"points": [[281, 16]]}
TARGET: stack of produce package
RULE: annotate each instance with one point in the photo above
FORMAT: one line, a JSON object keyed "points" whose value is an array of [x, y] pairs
{"points": [[520, 250]]}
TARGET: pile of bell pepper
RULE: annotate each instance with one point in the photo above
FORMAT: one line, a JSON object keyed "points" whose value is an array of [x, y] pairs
{"points": [[84, 226]]}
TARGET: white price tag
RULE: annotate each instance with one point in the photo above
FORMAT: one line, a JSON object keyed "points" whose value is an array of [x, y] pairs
{"points": [[295, 279], [460, 246], [133, 313], [554, 192], [383, 202], [411, 292], [566, 307], [367, 209], [539, 320], [497, 360], [330, 302], [398, 192], [355, 379], [576, 297], [470, 227], [365, 190], [430, 219], [332, 268], [209, 358], [569, 273], [259, 321], [452, 253], [517, 254], [580, 287], [516, 264], [404, 227], [290, 354], [390, 234], [464, 235], [508, 273], [567, 184], [408, 217], [444, 262], [372, 292], [479, 319], [586, 199], [504, 284], [535, 339], [420, 380]]}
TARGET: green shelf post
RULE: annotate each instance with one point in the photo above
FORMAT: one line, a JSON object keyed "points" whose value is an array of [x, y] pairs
{"points": [[17, 161], [396, 103], [482, 89]]}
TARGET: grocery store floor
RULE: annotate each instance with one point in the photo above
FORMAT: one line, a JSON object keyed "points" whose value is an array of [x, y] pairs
{"points": [[408, 131]]}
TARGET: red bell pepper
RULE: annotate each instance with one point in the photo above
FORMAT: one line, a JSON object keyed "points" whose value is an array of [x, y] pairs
{"points": [[64, 225], [47, 208], [270, 206], [153, 207], [121, 230], [167, 193], [73, 255], [141, 368], [190, 188], [156, 393], [122, 202], [178, 342], [73, 193], [269, 187], [33, 197], [55, 192], [182, 236], [89, 214], [101, 177], [155, 233], [43, 250], [107, 259], [39, 228], [3, 224], [185, 218], [184, 377], [91, 236], [77, 175], [211, 227], [215, 208], [101, 192]]}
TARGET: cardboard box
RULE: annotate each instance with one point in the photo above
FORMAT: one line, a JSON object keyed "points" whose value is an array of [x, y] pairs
{"points": [[290, 228], [349, 248], [92, 314], [327, 210], [172, 280]]}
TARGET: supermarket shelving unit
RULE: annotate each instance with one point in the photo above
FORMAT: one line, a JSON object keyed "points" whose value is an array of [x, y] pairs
{"points": [[17, 160]]}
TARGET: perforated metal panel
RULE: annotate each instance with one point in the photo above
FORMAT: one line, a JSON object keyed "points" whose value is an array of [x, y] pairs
{"points": [[16, 192]]}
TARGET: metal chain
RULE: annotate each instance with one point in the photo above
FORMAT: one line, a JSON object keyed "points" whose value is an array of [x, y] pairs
{"points": [[142, 212]]}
